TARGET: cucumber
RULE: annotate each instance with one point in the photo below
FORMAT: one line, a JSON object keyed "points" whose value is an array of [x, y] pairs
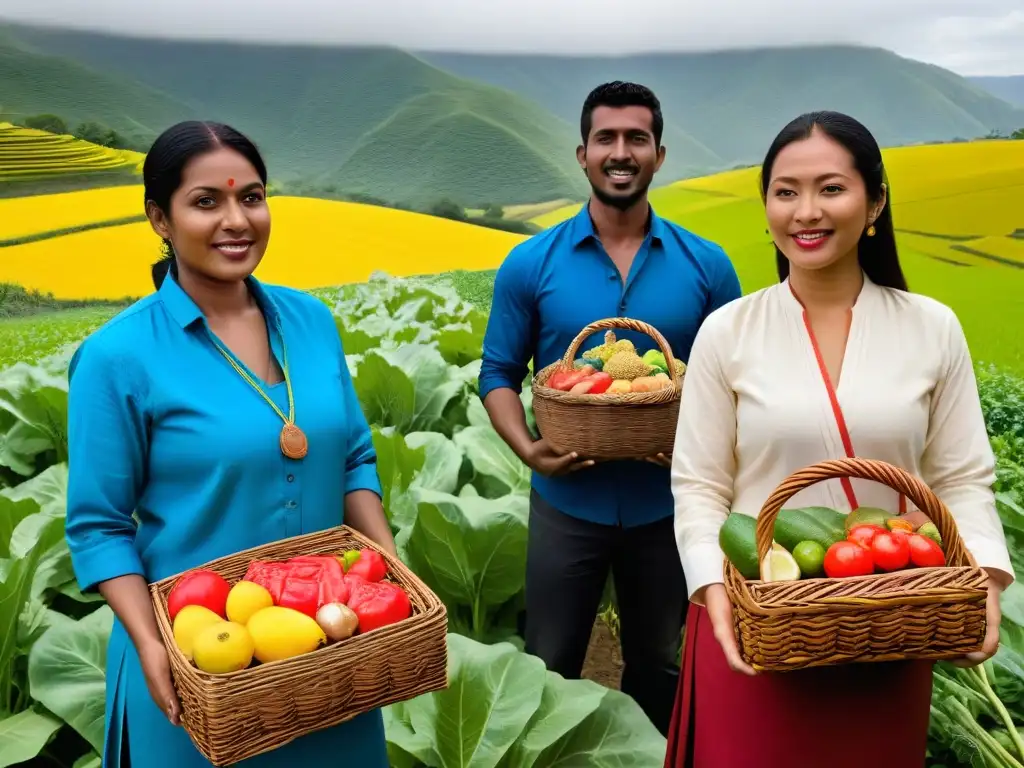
{"points": [[738, 540], [832, 519], [808, 524]]}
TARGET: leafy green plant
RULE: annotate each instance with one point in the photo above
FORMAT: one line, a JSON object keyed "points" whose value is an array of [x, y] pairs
{"points": [[456, 498]]}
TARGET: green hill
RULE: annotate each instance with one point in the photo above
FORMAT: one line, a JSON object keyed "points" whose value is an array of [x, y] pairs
{"points": [[1008, 87], [733, 102], [34, 82], [496, 132], [343, 120], [414, 129]]}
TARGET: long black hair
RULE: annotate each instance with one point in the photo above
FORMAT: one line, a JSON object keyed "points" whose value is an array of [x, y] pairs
{"points": [[166, 160], [878, 255]]}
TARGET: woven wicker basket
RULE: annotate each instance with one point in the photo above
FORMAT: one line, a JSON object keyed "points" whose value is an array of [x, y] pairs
{"points": [[917, 613], [235, 716], [630, 425]]}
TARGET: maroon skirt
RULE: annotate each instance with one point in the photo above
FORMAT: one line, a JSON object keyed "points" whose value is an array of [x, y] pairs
{"points": [[842, 717]]}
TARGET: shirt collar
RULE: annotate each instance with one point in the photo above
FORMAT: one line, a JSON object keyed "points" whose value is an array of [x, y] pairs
{"points": [[582, 226], [186, 312]]}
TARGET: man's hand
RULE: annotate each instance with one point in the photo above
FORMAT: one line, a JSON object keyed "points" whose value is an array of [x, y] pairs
{"points": [[544, 459], [661, 460]]}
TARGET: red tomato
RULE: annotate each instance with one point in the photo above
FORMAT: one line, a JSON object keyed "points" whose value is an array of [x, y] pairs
{"points": [[924, 552], [199, 587], [847, 558], [891, 552], [864, 534]]}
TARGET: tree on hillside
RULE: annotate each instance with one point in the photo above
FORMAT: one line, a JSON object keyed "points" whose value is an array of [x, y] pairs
{"points": [[50, 123], [1018, 134], [97, 133]]}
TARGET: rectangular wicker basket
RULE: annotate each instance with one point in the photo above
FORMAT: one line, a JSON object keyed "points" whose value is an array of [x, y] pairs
{"points": [[629, 425], [917, 613], [238, 715]]}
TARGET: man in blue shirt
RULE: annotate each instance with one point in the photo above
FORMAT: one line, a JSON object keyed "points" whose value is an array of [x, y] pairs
{"points": [[615, 258]]}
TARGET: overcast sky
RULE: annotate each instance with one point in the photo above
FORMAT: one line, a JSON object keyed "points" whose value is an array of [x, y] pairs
{"points": [[971, 37]]}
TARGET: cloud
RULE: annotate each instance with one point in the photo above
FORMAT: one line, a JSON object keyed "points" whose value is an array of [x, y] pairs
{"points": [[969, 36]]}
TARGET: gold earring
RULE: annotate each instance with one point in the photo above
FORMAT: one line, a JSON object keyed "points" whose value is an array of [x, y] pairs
{"points": [[871, 231]]}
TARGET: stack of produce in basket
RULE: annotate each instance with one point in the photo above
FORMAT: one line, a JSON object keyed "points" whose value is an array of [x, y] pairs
{"points": [[281, 608], [281, 640], [814, 586], [610, 401]]}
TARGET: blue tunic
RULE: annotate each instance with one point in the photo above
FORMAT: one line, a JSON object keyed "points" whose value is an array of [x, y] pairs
{"points": [[159, 423]]}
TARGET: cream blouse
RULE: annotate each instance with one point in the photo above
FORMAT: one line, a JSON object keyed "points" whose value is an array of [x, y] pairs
{"points": [[755, 408]]}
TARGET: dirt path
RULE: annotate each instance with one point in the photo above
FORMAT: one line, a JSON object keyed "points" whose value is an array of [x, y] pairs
{"points": [[604, 658]]}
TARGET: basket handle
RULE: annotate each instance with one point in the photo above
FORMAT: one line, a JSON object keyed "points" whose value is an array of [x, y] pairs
{"points": [[864, 469], [628, 324]]}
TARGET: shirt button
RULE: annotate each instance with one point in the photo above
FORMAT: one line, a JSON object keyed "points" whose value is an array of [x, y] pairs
{"points": [[290, 504], [611, 277], [291, 478]]}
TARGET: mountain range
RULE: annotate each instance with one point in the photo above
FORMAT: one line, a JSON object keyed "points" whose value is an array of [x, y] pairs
{"points": [[414, 128]]}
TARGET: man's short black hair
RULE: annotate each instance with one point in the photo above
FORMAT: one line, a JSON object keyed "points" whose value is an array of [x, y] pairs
{"points": [[622, 94]]}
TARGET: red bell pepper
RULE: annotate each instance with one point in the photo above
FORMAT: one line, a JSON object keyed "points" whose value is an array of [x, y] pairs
{"points": [[268, 574], [567, 378], [331, 577], [367, 563], [378, 603], [304, 583]]}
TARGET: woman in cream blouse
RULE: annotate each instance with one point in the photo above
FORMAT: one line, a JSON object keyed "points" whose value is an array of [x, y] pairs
{"points": [[758, 405]]}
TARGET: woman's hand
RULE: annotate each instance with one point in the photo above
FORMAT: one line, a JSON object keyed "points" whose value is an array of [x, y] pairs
{"points": [[719, 608], [993, 617], [157, 669]]}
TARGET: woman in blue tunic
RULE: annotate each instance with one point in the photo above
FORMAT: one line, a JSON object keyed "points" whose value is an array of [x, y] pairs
{"points": [[221, 413]]}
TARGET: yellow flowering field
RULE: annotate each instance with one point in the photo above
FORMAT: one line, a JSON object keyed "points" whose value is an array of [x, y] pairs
{"points": [[964, 190], [313, 243], [21, 216]]}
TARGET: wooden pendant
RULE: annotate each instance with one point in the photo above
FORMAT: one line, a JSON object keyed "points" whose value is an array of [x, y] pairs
{"points": [[293, 442]]}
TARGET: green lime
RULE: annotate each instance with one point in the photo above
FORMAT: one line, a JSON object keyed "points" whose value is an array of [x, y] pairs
{"points": [[810, 556]]}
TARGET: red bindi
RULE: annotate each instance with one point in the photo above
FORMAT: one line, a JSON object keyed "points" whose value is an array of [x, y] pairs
{"points": [[231, 182]]}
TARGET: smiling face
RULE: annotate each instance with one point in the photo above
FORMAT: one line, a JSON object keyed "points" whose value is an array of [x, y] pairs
{"points": [[620, 157], [219, 222], [816, 203]]}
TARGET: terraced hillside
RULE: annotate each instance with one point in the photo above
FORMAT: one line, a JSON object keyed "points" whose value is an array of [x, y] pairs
{"points": [[28, 155], [959, 213], [332, 121]]}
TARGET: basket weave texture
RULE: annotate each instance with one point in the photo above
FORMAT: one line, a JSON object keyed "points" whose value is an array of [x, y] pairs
{"points": [[627, 425], [238, 715], [917, 613]]}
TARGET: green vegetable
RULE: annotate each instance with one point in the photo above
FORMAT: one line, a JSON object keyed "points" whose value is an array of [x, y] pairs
{"points": [[656, 359], [819, 524], [596, 362], [737, 538], [932, 532], [349, 558]]}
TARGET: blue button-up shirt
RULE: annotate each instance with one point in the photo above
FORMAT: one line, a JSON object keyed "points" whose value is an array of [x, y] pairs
{"points": [[561, 280]]}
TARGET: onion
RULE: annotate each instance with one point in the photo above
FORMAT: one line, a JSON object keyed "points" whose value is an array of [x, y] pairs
{"points": [[337, 620]]}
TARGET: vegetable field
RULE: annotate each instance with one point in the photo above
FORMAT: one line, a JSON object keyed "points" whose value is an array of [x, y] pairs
{"points": [[457, 500]]}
